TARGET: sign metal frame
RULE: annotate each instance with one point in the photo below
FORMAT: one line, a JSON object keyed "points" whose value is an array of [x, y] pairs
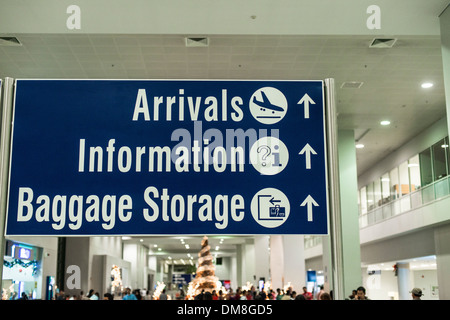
{"points": [[304, 100]]}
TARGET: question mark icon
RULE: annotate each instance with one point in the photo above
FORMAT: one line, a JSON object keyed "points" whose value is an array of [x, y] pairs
{"points": [[266, 152]]}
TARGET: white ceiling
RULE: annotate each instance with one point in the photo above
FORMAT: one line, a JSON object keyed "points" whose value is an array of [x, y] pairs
{"points": [[391, 78], [186, 247]]}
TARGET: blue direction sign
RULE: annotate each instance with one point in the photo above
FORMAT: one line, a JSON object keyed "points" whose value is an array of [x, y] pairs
{"points": [[144, 157]]}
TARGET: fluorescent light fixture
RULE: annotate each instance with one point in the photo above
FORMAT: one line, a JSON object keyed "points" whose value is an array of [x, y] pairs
{"points": [[427, 85], [385, 122], [359, 146], [187, 246], [126, 238], [444, 146], [413, 165], [159, 249]]}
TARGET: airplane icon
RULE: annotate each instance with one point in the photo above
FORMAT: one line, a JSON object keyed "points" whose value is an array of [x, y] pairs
{"points": [[266, 104]]}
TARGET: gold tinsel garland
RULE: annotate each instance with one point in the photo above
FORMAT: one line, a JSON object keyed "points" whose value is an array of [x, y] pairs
{"points": [[205, 279]]}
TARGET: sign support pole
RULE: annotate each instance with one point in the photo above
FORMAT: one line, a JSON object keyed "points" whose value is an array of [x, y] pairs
{"points": [[335, 225], [5, 148]]}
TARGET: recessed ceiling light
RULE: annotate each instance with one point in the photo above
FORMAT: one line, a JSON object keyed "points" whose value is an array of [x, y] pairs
{"points": [[427, 85], [385, 122], [359, 146]]}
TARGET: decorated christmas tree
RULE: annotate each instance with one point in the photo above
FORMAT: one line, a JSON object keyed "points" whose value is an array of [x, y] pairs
{"points": [[205, 279]]}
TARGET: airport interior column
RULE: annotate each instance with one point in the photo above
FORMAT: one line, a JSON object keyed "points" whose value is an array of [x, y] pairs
{"points": [[442, 234], [276, 261], [287, 262], [78, 254], [442, 247], [403, 281], [245, 263], [249, 262], [444, 19], [351, 251], [294, 261], [262, 267]]}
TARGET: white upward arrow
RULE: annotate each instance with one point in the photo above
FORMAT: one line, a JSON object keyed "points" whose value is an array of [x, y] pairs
{"points": [[309, 203], [308, 150], [306, 100]]}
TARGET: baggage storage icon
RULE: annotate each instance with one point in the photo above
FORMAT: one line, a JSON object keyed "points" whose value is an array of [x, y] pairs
{"points": [[277, 211]]}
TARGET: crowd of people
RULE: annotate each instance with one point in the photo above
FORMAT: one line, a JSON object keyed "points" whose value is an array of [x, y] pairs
{"points": [[239, 294], [253, 294]]}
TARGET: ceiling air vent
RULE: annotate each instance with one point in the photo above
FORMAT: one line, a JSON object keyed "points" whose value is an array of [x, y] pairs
{"points": [[382, 43], [9, 41], [197, 42], [351, 85]]}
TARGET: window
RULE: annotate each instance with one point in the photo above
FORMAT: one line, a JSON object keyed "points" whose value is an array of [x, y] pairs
{"points": [[440, 159], [363, 200], [404, 178], [414, 172], [385, 188], [394, 184], [377, 192], [426, 172], [370, 197]]}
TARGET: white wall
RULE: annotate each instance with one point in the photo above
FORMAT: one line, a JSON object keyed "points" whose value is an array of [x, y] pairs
{"points": [[380, 286], [223, 271], [426, 280], [137, 255], [384, 286]]}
